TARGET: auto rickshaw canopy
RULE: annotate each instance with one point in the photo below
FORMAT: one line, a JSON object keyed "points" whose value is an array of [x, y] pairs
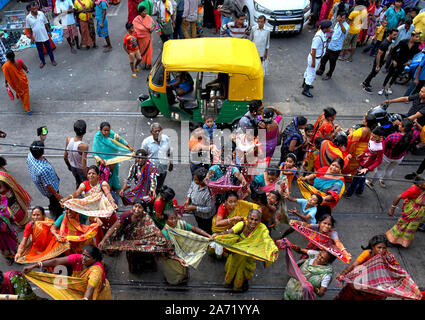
{"points": [[237, 57]]}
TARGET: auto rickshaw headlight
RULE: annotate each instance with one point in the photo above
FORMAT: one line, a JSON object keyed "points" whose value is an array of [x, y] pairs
{"points": [[143, 97]]}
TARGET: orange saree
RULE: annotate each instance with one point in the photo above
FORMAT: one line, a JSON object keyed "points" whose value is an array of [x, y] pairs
{"points": [[44, 245], [18, 81], [142, 31], [77, 234], [357, 143]]}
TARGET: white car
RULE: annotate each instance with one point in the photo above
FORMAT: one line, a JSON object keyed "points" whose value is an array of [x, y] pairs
{"points": [[283, 16]]}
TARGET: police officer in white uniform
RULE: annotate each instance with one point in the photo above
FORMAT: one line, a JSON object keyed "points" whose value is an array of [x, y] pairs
{"points": [[318, 48]]}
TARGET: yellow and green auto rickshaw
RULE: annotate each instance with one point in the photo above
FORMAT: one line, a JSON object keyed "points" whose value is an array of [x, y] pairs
{"points": [[198, 78]]}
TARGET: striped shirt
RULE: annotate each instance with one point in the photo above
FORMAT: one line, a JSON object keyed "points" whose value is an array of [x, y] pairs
{"points": [[235, 31], [201, 198], [392, 141], [42, 174]]}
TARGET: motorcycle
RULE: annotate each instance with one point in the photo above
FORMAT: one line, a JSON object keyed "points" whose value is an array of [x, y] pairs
{"points": [[409, 70], [383, 118]]}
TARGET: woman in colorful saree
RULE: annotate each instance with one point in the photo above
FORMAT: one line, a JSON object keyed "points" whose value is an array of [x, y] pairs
{"points": [[87, 282], [143, 29], [358, 141], [231, 212], [97, 202], [248, 241], [270, 123], [71, 228], [317, 270], [327, 183], [106, 140], [164, 201], [15, 77], [143, 173], [18, 200], [142, 238], [293, 139], [324, 126], [14, 283], [266, 180], [413, 211], [329, 150], [377, 245], [324, 227], [38, 243], [8, 235], [175, 264]]}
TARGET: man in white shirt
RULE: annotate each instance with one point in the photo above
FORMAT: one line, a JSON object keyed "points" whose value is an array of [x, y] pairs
{"points": [[335, 46], [190, 17], [160, 152], [65, 9], [318, 48], [165, 14], [261, 38], [39, 30]]}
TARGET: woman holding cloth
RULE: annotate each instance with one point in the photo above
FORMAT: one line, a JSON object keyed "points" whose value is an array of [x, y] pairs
{"points": [[248, 241], [107, 141]]}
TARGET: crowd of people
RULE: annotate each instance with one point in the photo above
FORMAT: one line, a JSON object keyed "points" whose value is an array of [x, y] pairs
{"points": [[238, 200], [392, 31]]}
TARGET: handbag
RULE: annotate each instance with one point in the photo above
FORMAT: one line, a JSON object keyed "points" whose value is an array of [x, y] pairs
{"points": [[10, 93], [280, 134], [167, 28]]}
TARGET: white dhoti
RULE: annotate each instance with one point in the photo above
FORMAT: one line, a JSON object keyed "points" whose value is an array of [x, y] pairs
{"points": [[310, 72]]}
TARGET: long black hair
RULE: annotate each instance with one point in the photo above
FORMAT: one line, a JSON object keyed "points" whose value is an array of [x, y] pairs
{"points": [[405, 141], [380, 238]]}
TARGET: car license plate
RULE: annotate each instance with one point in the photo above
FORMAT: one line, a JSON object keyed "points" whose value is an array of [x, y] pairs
{"points": [[286, 27]]}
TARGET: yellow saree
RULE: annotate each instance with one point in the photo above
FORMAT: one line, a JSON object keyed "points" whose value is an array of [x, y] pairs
{"points": [[72, 288], [242, 209], [240, 265]]}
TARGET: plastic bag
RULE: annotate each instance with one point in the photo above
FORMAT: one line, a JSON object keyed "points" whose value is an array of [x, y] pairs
{"points": [[265, 64]]}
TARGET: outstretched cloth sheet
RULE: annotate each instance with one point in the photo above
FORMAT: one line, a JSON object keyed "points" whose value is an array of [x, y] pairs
{"points": [[44, 245], [379, 276], [257, 245], [68, 288], [113, 144], [322, 241], [224, 184], [140, 236], [96, 204], [189, 246], [307, 190], [294, 271], [72, 230]]}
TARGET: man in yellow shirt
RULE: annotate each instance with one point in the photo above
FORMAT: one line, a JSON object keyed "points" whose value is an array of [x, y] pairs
{"points": [[377, 39], [355, 20]]}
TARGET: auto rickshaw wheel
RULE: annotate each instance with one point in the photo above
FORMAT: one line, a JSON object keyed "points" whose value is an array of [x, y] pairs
{"points": [[150, 112]]}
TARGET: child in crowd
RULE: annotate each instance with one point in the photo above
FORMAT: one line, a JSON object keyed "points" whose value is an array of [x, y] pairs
{"points": [[377, 39], [131, 47], [309, 146], [210, 126], [308, 208], [289, 169], [370, 159]]}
